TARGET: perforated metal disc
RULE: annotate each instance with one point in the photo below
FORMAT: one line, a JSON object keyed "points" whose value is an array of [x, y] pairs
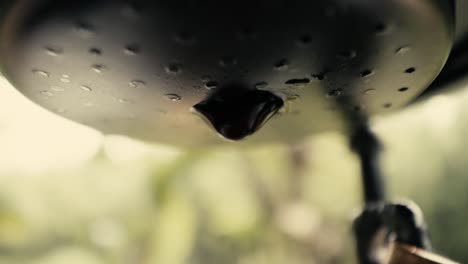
{"points": [[137, 68]]}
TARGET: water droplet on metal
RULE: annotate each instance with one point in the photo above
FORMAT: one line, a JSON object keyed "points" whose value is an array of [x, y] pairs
{"points": [[347, 55], [95, 51], [299, 82], [227, 61], [211, 85], [132, 49], [206, 78], [41, 73], [381, 29], [304, 41], [86, 88], [246, 34], [65, 80], [174, 97], [367, 73], [261, 85], [53, 51], [137, 84], [370, 91], [184, 38], [319, 77], [84, 30], [292, 97], [282, 65], [57, 88], [174, 69], [46, 93], [403, 50], [99, 68], [124, 101], [403, 89], [132, 10], [335, 93]]}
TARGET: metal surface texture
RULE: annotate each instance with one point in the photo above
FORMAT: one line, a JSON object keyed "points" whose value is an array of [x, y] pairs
{"points": [[137, 68]]}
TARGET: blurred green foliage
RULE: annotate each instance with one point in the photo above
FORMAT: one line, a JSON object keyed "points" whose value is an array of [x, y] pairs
{"points": [[141, 204]]}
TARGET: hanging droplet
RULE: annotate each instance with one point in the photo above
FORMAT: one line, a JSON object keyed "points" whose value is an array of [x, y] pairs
{"points": [[86, 88], [41, 73], [174, 97]]}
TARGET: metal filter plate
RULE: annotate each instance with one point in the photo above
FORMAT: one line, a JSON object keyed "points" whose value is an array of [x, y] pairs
{"points": [[137, 67]]}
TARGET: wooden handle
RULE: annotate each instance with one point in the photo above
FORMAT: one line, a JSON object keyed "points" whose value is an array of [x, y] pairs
{"points": [[404, 254]]}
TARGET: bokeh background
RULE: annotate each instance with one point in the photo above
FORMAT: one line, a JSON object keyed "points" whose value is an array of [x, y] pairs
{"points": [[70, 195]]}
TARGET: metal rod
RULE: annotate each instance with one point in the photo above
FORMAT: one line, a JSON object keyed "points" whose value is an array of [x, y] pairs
{"points": [[367, 146]]}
